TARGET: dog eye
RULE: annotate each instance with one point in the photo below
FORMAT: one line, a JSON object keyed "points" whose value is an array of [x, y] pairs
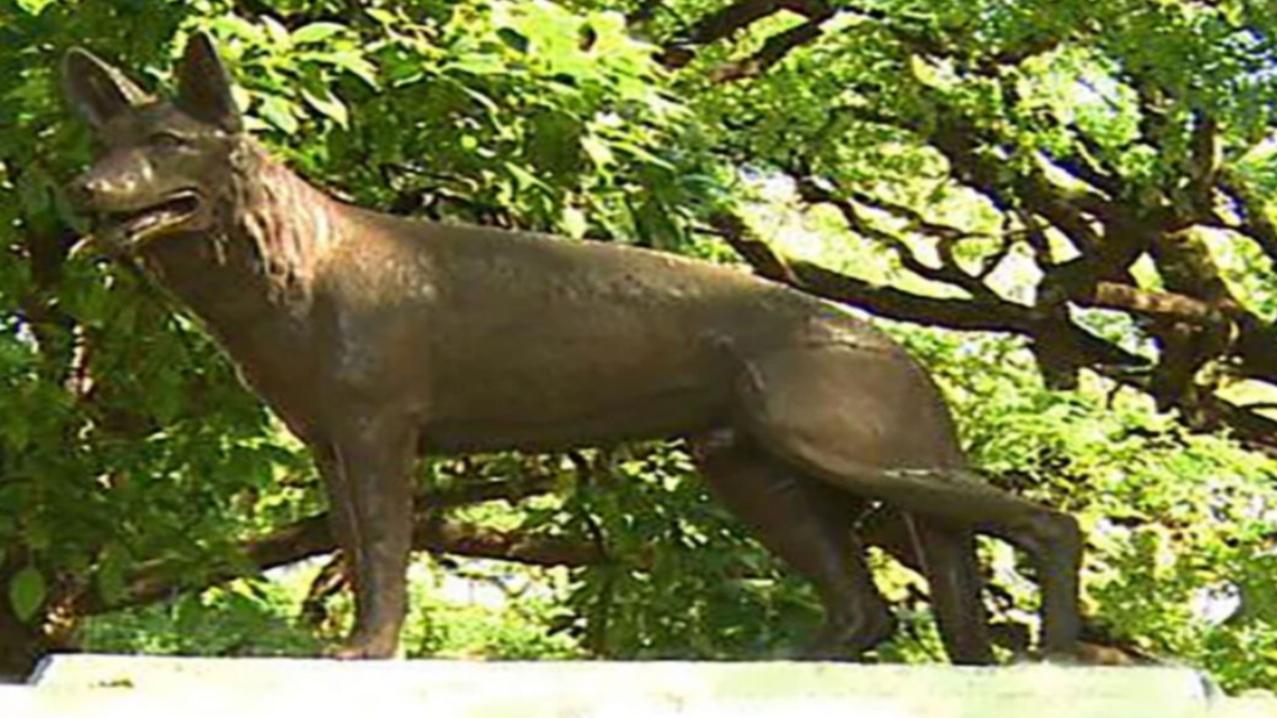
{"points": [[167, 140]]}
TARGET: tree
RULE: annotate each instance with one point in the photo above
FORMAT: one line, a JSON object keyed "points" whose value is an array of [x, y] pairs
{"points": [[1091, 139], [1074, 197]]}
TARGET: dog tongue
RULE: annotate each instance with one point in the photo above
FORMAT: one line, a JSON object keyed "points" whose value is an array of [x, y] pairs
{"points": [[138, 224]]}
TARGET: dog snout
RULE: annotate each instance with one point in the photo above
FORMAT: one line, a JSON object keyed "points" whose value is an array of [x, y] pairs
{"points": [[80, 192], [94, 192], [86, 191]]}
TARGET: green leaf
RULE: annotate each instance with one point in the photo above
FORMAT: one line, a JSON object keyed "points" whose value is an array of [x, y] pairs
{"points": [[277, 32], [478, 63], [656, 226], [513, 38], [357, 65], [327, 104], [553, 142], [280, 113], [242, 97], [574, 224], [483, 100], [385, 17], [27, 592], [598, 150], [523, 179], [110, 574], [236, 26], [33, 191], [18, 434], [316, 32], [640, 153], [33, 7], [38, 537]]}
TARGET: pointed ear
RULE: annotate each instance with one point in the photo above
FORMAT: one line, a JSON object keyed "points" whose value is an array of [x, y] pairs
{"points": [[204, 86], [97, 90]]}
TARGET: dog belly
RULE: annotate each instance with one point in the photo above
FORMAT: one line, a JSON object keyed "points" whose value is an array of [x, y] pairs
{"points": [[569, 414]]}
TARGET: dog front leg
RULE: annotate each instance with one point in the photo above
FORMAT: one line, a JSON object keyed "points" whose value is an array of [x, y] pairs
{"points": [[366, 465]]}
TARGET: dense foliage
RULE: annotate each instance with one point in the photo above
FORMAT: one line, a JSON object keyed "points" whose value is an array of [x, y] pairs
{"points": [[1071, 198]]}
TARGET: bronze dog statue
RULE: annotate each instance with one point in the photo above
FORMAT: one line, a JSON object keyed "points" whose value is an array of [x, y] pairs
{"points": [[377, 339]]}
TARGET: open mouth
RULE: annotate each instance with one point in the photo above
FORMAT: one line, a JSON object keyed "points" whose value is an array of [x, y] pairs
{"points": [[139, 225]]}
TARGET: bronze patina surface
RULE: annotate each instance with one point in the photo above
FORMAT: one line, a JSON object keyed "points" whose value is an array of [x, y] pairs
{"points": [[378, 339]]}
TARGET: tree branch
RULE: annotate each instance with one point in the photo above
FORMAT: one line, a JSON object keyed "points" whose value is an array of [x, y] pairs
{"points": [[881, 300], [716, 26], [949, 273], [1255, 222], [733, 18], [1000, 316], [774, 49], [308, 537], [643, 12], [1167, 306]]}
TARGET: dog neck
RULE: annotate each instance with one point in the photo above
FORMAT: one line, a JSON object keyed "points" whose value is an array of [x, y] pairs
{"points": [[269, 234]]}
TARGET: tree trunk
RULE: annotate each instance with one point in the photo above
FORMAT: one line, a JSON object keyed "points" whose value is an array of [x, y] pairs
{"points": [[21, 644]]}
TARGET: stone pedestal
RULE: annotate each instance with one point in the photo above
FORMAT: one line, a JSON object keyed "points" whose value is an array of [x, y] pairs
{"points": [[138, 686]]}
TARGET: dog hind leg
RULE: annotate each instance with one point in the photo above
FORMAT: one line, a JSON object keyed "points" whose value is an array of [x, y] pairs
{"points": [[806, 524]]}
